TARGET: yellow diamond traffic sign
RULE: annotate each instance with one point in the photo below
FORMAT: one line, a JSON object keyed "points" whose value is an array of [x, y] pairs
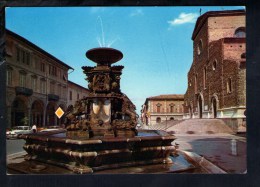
{"points": [[59, 112]]}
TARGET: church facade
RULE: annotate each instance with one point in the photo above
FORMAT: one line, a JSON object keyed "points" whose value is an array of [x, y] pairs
{"points": [[217, 76]]}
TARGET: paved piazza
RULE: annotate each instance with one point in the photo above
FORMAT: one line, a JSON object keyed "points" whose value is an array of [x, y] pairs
{"points": [[217, 149]]}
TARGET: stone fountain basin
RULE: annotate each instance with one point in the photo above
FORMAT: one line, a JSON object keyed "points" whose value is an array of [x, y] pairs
{"points": [[104, 55], [58, 152], [81, 154]]}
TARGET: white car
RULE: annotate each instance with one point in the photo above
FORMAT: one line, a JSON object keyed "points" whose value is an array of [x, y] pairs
{"points": [[18, 130], [138, 125]]}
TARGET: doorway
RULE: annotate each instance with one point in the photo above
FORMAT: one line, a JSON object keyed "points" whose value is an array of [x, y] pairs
{"points": [[200, 107], [214, 105]]}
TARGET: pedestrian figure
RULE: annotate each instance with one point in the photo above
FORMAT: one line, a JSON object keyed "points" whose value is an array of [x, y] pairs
{"points": [[34, 128]]}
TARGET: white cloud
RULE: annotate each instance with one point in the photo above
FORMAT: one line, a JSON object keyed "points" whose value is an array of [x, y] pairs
{"points": [[184, 18], [136, 12]]}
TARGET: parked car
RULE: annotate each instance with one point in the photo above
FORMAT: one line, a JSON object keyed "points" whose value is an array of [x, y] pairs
{"points": [[138, 126], [15, 131]]}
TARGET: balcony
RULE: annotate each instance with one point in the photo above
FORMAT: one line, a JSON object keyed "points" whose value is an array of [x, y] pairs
{"points": [[23, 91], [53, 97]]}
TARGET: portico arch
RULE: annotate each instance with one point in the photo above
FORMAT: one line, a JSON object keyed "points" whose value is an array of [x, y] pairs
{"points": [[51, 118], [37, 111], [214, 105], [19, 111]]}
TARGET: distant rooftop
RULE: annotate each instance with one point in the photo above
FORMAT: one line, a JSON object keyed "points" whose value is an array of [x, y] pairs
{"points": [[71, 82], [167, 96]]}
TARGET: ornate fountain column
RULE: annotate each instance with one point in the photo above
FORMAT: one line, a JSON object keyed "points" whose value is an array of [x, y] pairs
{"points": [[111, 111]]}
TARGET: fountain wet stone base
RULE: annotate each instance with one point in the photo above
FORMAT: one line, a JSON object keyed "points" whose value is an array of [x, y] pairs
{"points": [[55, 153], [179, 165], [81, 154]]}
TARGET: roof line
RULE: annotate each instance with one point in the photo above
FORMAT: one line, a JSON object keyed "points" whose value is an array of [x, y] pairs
{"points": [[77, 85], [170, 96], [37, 47], [201, 20]]}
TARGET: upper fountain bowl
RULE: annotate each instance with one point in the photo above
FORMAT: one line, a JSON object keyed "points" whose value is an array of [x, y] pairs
{"points": [[104, 55]]}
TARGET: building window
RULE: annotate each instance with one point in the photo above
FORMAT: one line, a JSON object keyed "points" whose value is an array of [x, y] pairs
{"points": [[199, 48], [181, 108], [43, 86], [204, 77], [52, 87], [240, 32], [61, 73], [42, 68], [59, 89], [214, 65], [34, 83], [17, 54], [58, 73], [52, 70], [158, 107], [158, 120], [70, 95], [35, 62], [22, 80], [229, 85], [28, 58], [195, 83], [23, 56], [64, 93], [9, 77], [171, 108]]}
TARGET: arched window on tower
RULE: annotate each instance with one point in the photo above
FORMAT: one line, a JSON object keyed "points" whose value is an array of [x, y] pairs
{"points": [[199, 48], [240, 32], [204, 77], [195, 83], [214, 65], [229, 85]]}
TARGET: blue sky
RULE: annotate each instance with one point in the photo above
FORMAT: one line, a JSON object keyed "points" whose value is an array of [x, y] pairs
{"points": [[156, 41]]}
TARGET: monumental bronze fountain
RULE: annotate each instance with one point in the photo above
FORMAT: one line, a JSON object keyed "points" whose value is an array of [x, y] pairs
{"points": [[101, 134], [108, 112]]}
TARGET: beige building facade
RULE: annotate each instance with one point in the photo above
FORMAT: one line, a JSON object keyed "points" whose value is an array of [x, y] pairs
{"points": [[75, 92], [162, 108], [36, 84]]}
